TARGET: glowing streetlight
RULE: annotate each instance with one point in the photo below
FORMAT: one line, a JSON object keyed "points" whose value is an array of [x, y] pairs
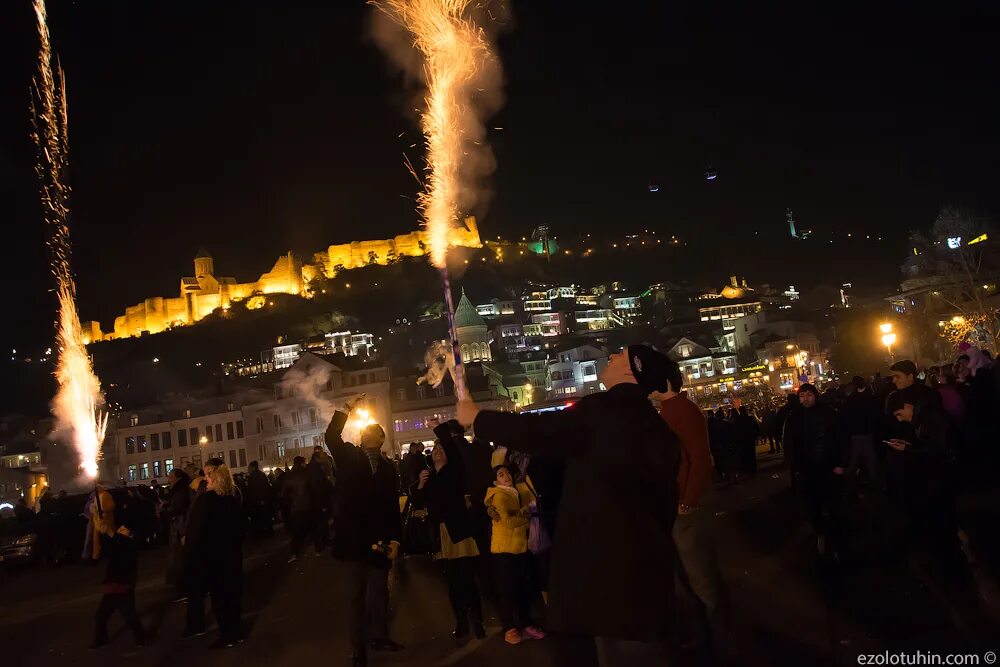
{"points": [[888, 338]]}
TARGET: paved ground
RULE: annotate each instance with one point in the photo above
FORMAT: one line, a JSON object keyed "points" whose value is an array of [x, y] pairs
{"points": [[789, 609]]}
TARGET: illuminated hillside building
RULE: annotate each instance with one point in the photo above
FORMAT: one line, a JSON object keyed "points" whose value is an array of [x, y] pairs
{"points": [[205, 292]]}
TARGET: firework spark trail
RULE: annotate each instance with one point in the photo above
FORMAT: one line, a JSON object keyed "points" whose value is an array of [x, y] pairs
{"points": [[455, 53], [77, 405]]}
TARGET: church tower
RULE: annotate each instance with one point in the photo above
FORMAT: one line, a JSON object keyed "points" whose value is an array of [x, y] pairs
{"points": [[472, 332], [204, 265]]}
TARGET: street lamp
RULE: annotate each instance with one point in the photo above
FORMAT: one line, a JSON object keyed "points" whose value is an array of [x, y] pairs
{"points": [[888, 338]]}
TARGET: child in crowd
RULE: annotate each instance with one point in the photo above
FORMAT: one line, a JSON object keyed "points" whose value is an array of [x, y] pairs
{"points": [[119, 585], [507, 506]]}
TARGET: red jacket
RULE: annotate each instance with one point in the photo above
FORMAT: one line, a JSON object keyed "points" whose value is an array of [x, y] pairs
{"points": [[687, 421]]}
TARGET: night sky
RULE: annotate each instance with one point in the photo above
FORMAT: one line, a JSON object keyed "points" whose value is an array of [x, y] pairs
{"points": [[256, 127]]}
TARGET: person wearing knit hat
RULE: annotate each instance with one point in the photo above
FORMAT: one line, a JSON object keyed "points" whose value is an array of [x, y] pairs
{"points": [[816, 447], [617, 508], [649, 367]]}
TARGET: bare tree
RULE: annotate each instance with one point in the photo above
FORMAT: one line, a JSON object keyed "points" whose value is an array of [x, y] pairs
{"points": [[960, 254]]}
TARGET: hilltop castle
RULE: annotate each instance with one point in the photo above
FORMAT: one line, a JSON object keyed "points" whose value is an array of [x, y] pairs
{"points": [[204, 292]]}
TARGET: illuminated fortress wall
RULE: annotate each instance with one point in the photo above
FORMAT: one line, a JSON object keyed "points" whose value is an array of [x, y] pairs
{"points": [[204, 292]]}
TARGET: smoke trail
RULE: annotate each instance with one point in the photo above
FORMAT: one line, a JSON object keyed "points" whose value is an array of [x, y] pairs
{"points": [[439, 361], [77, 404], [463, 86], [309, 383]]}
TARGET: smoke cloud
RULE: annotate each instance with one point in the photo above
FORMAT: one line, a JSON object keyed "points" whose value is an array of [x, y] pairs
{"points": [[440, 361]]}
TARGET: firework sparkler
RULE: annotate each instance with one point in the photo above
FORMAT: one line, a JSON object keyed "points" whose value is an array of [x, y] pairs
{"points": [[77, 405], [456, 55]]}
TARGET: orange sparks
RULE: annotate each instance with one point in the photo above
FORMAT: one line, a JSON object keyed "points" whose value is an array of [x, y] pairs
{"points": [[455, 51], [76, 407]]}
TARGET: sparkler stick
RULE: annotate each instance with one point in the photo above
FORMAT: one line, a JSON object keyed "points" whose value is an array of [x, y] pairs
{"points": [[76, 403], [455, 52]]}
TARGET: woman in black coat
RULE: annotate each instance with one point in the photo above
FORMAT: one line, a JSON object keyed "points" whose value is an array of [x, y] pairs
{"points": [[443, 493], [214, 557], [613, 554]]}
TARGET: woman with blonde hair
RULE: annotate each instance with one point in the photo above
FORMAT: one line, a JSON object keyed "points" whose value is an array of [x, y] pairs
{"points": [[214, 558]]}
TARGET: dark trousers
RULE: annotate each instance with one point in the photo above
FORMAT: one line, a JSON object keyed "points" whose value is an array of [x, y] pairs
{"points": [[368, 600], [862, 456], [124, 603], [321, 530], [300, 525], [227, 605], [701, 590], [628, 653], [262, 518], [463, 591], [510, 573], [815, 486]]}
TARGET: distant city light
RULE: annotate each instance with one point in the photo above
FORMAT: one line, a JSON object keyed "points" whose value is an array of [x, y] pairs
{"points": [[156, 360]]}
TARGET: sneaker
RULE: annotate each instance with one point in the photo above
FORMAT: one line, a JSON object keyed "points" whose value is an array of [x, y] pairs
{"points": [[292, 559], [512, 636], [531, 632], [222, 644], [188, 634]]}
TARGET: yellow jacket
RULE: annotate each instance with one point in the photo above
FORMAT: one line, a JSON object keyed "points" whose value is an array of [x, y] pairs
{"points": [[103, 521], [510, 532]]}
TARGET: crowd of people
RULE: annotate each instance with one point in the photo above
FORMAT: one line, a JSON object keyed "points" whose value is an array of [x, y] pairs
{"points": [[524, 514]]}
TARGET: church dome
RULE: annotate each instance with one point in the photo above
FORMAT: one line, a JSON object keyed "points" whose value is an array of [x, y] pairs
{"points": [[466, 314]]}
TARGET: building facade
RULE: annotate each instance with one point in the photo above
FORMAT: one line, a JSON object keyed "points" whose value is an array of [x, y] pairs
{"points": [[304, 399], [575, 372], [151, 442]]}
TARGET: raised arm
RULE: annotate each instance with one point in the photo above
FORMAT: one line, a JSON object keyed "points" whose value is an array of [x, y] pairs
{"points": [[558, 434]]}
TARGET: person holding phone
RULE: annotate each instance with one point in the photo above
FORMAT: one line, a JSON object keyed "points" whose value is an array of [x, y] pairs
{"points": [[925, 490]]}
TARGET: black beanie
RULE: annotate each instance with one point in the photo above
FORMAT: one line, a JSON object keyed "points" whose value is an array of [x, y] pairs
{"points": [[650, 367]]}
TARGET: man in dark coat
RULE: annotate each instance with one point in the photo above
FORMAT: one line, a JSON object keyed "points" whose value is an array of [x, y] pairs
{"points": [[367, 533], [258, 501], [295, 495], [413, 462], [175, 514], [617, 511], [862, 417], [320, 475], [780, 417], [816, 449]]}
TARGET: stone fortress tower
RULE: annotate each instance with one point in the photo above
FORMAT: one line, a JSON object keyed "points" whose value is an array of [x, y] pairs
{"points": [[204, 292]]}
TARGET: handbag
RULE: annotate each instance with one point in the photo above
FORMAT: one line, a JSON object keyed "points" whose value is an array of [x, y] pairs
{"points": [[538, 536], [417, 535]]}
